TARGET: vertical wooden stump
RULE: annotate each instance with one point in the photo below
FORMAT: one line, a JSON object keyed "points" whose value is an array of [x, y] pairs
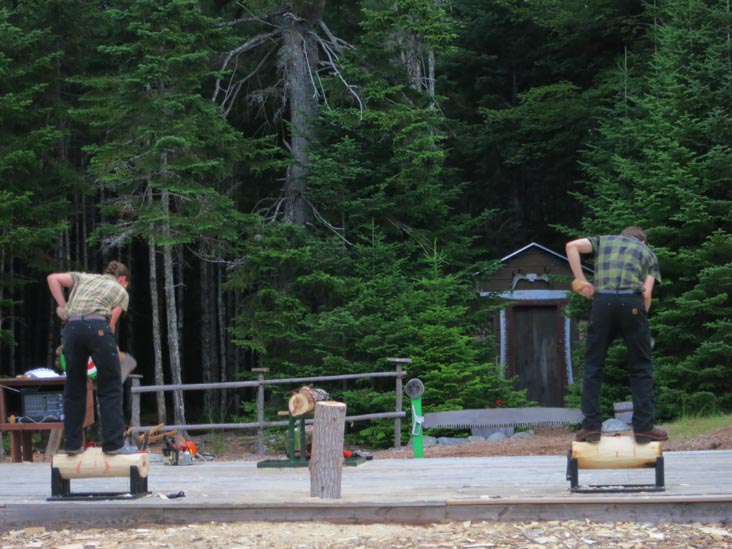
{"points": [[326, 458]]}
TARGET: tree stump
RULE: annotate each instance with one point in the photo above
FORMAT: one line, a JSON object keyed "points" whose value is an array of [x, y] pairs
{"points": [[326, 459], [303, 400]]}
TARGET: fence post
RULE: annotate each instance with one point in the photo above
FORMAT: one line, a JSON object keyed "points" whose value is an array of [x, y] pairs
{"points": [[134, 400], [260, 408], [398, 421]]}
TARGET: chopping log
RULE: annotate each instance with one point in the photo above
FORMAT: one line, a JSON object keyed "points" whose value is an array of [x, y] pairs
{"points": [[303, 400], [93, 463], [326, 457], [615, 452]]}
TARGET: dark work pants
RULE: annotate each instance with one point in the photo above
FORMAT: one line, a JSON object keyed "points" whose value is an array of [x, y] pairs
{"points": [[616, 315], [82, 339]]}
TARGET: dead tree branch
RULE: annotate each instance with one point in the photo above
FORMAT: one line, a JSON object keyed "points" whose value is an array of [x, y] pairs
{"points": [[246, 46]]}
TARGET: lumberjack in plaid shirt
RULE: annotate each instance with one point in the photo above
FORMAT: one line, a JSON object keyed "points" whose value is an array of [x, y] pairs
{"points": [[622, 263], [95, 304], [625, 272]]}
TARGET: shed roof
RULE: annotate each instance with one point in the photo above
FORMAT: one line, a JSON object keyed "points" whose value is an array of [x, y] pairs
{"points": [[540, 247], [529, 246]]}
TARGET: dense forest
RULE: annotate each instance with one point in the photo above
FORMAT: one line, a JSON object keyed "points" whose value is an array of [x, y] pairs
{"points": [[314, 186]]}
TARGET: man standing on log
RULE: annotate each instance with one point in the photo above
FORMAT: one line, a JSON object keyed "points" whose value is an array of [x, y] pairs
{"points": [[95, 304], [625, 272]]}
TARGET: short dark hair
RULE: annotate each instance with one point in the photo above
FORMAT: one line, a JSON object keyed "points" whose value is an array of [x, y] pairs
{"points": [[116, 268], [634, 232]]}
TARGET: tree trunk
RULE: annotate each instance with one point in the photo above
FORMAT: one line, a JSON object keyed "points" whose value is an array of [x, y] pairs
{"points": [[2, 296], [411, 54], [326, 459], [221, 323], [180, 294], [207, 348], [301, 58], [156, 335], [12, 326], [171, 311]]}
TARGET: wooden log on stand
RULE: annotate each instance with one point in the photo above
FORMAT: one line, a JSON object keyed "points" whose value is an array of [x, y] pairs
{"points": [[93, 463], [326, 458], [615, 452], [303, 400]]}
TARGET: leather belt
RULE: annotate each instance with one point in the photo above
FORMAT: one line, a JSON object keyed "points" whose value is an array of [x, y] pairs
{"points": [[87, 317], [619, 292]]}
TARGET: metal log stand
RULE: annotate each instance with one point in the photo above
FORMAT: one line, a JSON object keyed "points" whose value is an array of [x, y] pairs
{"points": [[296, 444], [614, 458], [94, 464], [61, 488], [293, 460]]}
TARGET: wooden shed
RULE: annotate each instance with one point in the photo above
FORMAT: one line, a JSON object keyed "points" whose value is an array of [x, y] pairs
{"points": [[536, 338]]}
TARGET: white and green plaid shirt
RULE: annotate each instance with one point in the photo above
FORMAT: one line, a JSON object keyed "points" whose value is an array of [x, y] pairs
{"points": [[96, 294]]}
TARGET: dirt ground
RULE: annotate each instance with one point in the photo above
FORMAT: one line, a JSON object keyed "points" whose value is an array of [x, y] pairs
{"points": [[464, 535], [545, 442]]}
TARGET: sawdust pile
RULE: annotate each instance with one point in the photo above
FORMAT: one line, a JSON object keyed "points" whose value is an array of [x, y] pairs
{"points": [[312, 535]]}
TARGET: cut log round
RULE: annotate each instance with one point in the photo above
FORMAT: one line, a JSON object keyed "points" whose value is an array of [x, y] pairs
{"points": [[93, 463], [326, 458], [303, 400], [613, 452]]}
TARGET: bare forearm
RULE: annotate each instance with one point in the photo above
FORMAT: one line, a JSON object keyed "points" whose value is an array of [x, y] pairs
{"points": [[56, 284], [116, 313]]}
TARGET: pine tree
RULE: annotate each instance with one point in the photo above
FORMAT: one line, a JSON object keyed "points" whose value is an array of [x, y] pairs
{"points": [[165, 150], [31, 203], [663, 162]]}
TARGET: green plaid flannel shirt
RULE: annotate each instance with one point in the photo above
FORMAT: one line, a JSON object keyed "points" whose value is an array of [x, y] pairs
{"points": [[95, 294], [622, 263]]}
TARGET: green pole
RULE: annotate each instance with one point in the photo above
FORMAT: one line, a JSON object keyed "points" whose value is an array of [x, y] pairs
{"points": [[417, 443]]}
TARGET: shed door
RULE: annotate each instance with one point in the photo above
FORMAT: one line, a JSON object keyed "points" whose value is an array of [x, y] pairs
{"points": [[536, 335]]}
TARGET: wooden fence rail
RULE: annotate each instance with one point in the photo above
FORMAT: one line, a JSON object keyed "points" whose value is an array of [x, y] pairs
{"points": [[136, 390]]}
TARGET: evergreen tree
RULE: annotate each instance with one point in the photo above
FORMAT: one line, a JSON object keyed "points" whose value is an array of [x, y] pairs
{"points": [[165, 150], [663, 162], [525, 82], [31, 204], [347, 311]]}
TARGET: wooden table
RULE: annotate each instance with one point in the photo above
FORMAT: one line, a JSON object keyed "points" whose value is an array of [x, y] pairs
{"points": [[21, 434]]}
